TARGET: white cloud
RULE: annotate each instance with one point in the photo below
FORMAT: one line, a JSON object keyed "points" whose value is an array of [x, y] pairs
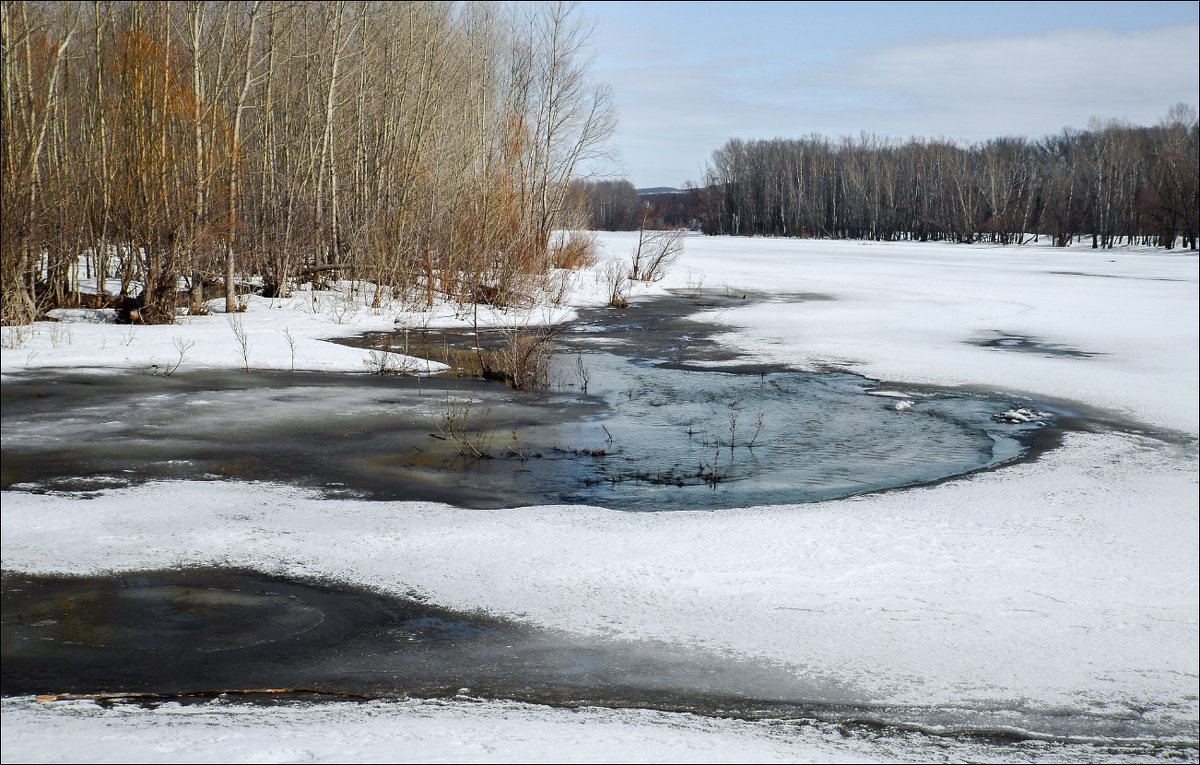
{"points": [[674, 113], [1032, 85]]}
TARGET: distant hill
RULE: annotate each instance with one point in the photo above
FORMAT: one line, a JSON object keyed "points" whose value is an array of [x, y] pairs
{"points": [[659, 190]]}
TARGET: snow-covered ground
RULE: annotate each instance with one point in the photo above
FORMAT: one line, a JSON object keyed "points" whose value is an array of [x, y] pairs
{"points": [[279, 334], [1064, 587]]}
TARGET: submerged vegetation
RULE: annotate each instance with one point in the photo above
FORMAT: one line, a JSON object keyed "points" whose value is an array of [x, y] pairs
{"points": [[187, 149]]}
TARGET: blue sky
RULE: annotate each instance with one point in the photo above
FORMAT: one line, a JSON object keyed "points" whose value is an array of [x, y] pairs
{"points": [[687, 76]]}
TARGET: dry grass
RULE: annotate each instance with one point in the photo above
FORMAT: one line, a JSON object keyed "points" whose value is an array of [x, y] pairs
{"points": [[574, 251]]}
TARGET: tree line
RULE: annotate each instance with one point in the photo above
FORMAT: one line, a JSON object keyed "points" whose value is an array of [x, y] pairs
{"points": [[1113, 183], [184, 147], [615, 205]]}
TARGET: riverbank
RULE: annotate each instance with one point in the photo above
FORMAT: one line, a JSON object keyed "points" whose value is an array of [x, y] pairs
{"points": [[1064, 588]]}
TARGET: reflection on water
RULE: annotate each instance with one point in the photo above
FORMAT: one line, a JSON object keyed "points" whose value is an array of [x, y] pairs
{"points": [[207, 631], [674, 438], [201, 630], [636, 418], [644, 437]]}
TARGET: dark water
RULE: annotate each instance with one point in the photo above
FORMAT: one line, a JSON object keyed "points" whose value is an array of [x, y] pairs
{"points": [[1010, 341], [200, 630], [659, 427], [644, 438], [211, 632], [669, 420]]}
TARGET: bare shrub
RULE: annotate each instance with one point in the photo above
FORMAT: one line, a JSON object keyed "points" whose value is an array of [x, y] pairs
{"points": [[615, 279], [16, 335], [456, 424], [573, 250], [582, 372], [239, 334], [182, 346], [344, 307], [383, 363], [556, 286], [656, 251], [523, 361], [60, 333], [291, 341], [759, 423]]}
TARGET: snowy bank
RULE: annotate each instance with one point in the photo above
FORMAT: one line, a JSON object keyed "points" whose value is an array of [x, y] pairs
{"points": [[915, 312], [278, 334], [1046, 590]]}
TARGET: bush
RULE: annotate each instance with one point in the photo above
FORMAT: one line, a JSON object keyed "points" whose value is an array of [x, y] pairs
{"points": [[523, 361], [615, 278], [573, 251], [656, 251]]}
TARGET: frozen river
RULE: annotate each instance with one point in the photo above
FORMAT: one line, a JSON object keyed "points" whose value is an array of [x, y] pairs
{"points": [[641, 414], [1042, 606]]}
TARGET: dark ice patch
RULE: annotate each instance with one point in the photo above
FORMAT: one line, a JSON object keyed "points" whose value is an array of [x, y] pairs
{"points": [[1009, 341]]}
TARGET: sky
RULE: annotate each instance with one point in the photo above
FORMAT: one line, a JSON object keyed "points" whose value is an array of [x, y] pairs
{"points": [[688, 76]]}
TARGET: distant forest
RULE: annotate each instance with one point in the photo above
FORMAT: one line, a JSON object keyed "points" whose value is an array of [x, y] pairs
{"points": [[183, 150], [424, 146], [1112, 184]]}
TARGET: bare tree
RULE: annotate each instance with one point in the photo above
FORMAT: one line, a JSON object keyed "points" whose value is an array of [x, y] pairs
{"points": [[233, 177], [427, 147], [611, 205], [570, 118], [655, 252], [30, 85], [1108, 182]]}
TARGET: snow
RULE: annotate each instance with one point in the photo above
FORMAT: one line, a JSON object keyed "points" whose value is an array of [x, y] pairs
{"points": [[1068, 585], [455, 731], [1021, 415], [908, 311], [282, 334], [952, 593]]}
